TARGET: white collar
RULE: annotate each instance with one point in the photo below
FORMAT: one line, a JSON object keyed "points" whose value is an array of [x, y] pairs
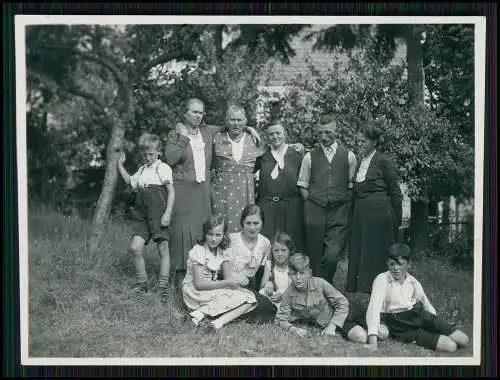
{"points": [[332, 147], [369, 158], [281, 150]]}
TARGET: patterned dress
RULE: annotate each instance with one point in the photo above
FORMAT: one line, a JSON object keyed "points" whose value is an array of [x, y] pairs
{"points": [[251, 263], [233, 183], [215, 301]]}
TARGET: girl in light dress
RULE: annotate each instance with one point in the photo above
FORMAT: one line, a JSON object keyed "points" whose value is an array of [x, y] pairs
{"points": [[282, 248], [206, 296]]}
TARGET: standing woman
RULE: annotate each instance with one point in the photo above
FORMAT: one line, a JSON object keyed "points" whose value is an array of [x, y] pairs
{"points": [[278, 193], [377, 212], [235, 155], [188, 151]]}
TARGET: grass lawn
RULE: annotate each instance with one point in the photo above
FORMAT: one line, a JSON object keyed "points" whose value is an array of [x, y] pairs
{"points": [[77, 306]]}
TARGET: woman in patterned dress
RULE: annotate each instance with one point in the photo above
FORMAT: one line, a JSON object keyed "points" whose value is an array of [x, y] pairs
{"points": [[234, 157]]}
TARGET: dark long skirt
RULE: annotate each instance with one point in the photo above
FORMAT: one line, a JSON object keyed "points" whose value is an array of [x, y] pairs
{"points": [[265, 312], [285, 215], [191, 209], [373, 230]]}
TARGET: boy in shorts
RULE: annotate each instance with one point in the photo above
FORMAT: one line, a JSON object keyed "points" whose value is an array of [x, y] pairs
{"points": [[152, 210], [399, 298]]}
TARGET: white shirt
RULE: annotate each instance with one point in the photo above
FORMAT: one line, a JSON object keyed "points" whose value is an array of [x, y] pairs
{"points": [[279, 156], [281, 279], [363, 167], [237, 147], [391, 296], [198, 148], [305, 168], [158, 173]]}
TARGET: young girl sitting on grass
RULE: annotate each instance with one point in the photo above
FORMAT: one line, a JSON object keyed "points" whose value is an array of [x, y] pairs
{"points": [[281, 249], [408, 313], [203, 293]]}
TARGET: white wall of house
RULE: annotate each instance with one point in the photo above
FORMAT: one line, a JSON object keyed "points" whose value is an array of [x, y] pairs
{"points": [[267, 94]]}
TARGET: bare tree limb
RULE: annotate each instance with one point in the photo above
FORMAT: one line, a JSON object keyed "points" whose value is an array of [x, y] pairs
{"points": [[72, 89], [78, 91], [167, 57], [106, 62]]}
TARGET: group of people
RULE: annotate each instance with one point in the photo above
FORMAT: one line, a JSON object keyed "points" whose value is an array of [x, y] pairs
{"points": [[254, 230]]}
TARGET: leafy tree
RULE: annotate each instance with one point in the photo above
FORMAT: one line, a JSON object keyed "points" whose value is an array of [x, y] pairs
{"points": [[380, 42], [123, 75], [364, 89], [449, 72]]}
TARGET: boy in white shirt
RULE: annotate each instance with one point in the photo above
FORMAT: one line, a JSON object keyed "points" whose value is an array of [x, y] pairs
{"points": [[408, 313], [152, 211]]}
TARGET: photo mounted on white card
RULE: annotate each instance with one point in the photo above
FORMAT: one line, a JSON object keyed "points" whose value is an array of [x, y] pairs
{"points": [[104, 100]]}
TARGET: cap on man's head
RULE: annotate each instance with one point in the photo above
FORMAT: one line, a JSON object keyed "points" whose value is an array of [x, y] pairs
{"points": [[327, 122], [399, 251]]}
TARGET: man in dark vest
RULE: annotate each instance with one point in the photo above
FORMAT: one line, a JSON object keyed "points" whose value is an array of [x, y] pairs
{"points": [[324, 180]]}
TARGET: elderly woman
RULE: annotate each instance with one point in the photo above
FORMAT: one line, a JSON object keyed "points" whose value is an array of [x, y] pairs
{"points": [[188, 151], [377, 211], [278, 194], [235, 155]]}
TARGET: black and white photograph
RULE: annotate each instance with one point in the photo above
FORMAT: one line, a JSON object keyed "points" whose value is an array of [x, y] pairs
{"points": [[265, 190]]}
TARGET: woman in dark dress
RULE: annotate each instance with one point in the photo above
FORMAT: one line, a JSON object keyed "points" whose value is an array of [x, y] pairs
{"points": [[377, 213], [278, 194]]}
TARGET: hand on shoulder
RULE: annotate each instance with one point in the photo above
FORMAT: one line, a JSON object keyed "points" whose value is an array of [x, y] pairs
{"points": [[177, 138]]}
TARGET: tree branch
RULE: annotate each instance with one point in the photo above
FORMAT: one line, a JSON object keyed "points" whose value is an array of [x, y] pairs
{"points": [[87, 95], [120, 78], [72, 89], [167, 57]]}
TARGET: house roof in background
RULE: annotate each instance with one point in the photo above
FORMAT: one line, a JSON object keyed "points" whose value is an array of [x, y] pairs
{"points": [[278, 74]]}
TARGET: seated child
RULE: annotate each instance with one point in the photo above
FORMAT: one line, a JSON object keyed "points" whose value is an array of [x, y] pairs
{"points": [[400, 299], [204, 295], [152, 210], [313, 299], [282, 248]]}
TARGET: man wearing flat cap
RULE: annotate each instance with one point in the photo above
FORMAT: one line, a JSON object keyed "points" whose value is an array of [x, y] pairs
{"points": [[325, 178]]}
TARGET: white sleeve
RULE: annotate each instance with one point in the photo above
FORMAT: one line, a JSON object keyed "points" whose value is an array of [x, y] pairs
{"points": [[305, 172], [422, 297], [352, 165], [134, 179], [375, 305], [165, 173], [196, 254]]}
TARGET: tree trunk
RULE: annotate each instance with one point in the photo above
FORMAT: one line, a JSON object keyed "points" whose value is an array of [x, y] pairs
{"points": [[218, 42], [44, 178], [103, 207], [446, 222], [419, 208]]}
